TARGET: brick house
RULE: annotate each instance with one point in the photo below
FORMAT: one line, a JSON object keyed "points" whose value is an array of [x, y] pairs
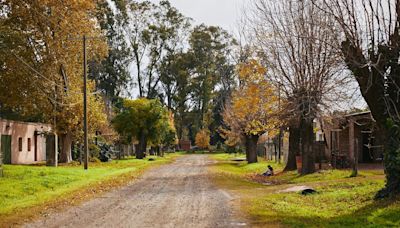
{"points": [[352, 136]]}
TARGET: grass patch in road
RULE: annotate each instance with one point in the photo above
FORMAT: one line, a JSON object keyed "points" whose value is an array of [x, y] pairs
{"points": [[25, 187], [340, 202]]}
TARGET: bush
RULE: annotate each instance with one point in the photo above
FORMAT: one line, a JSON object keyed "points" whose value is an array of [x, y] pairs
{"points": [[94, 151]]}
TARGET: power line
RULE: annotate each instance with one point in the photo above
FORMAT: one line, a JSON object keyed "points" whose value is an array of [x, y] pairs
{"points": [[47, 79], [34, 70]]}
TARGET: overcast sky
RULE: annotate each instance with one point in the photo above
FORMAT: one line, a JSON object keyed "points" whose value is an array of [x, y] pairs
{"points": [[224, 13]]}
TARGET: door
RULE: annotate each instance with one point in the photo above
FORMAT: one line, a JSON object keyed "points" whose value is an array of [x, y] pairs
{"points": [[367, 151], [35, 145], [6, 148]]}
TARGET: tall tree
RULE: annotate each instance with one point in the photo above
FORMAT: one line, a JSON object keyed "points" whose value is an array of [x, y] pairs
{"points": [[112, 74], [154, 31], [253, 109], [44, 71], [210, 48], [175, 79], [295, 40]]}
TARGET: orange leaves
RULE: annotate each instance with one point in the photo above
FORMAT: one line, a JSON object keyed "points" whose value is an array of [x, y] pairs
{"points": [[254, 105], [203, 139], [251, 72]]}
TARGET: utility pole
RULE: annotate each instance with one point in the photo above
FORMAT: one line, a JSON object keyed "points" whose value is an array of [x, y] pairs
{"points": [[85, 122], [55, 129], [84, 40]]}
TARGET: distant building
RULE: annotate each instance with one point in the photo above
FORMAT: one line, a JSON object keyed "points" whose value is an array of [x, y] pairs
{"points": [[23, 142], [185, 145]]}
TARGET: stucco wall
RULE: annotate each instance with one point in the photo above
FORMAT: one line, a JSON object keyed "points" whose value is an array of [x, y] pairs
{"points": [[25, 131]]}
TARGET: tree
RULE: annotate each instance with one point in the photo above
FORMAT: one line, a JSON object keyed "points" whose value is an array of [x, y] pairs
{"points": [[210, 48], [252, 110], [154, 31], [41, 75], [197, 82], [143, 120], [370, 42], [296, 40], [203, 139], [175, 80], [112, 74]]}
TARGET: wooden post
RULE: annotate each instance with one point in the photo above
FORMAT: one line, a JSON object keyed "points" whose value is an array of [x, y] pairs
{"points": [[351, 141], [355, 162]]}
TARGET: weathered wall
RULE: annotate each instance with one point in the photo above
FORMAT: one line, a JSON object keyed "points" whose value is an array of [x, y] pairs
{"points": [[25, 131]]}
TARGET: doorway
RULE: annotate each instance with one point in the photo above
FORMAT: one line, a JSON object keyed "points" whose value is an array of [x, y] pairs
{"points": [[6, 148], [35, 144], [367, 151]]}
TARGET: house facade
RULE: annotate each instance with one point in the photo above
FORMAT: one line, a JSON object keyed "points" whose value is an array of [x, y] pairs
{"points": [[353, 138], [23, 142]]}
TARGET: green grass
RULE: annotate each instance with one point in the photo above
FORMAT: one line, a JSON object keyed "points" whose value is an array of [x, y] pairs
{"points": [[27, 186], [340, 202]]}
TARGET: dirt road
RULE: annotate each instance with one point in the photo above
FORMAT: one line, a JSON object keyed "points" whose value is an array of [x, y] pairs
{"points": [[175, 195]]}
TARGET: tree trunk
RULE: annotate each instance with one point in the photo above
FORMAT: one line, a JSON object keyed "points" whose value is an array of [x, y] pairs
{"points": [[142, 147], [391, 161], [251, 148], [294, 148], [66, 151], [307, 140], [137, 149], [159, 151]]}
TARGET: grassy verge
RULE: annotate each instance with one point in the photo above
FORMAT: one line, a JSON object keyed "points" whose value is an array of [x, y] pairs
{"points": [[340, 202], [26, 191]]}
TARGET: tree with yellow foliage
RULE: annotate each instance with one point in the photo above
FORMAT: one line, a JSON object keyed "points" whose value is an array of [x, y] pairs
{"points": [[252, 110], [41, 74], [203, 139]]}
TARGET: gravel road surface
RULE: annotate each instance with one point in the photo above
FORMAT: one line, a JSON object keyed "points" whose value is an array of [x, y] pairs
{"points": [[174, 195]]}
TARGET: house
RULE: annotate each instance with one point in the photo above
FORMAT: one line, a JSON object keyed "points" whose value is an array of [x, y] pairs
{"points": [[185, 145], [352, 137], [23, 142]]}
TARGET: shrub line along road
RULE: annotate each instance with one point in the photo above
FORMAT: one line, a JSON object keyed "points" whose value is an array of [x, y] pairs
{"points": [[174, 195]]}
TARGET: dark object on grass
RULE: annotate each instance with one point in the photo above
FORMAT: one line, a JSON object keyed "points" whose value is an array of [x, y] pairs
{"points": [[152, 159], [308, 191], [269, 172]]}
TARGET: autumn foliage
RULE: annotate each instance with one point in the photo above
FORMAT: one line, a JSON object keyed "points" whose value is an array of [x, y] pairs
{"points": [[252, 110], [203, 139]]}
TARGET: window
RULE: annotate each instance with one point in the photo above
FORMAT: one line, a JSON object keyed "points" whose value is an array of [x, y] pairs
{"points": [[20, 144], [29, 144]]}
